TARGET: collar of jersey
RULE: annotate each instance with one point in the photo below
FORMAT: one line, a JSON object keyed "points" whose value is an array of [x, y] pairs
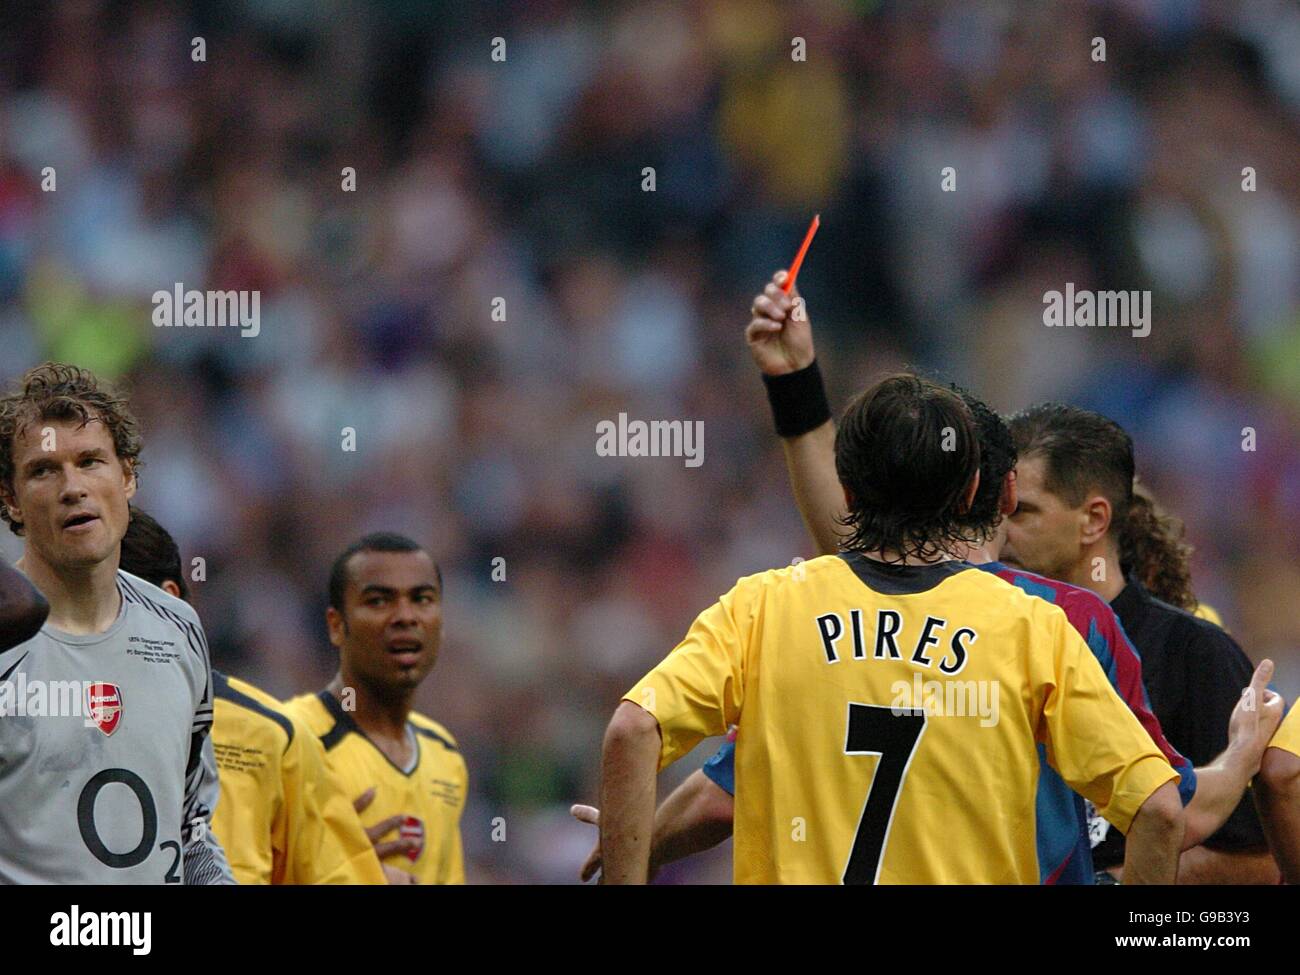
{"points": [[340, 716], [89, 639], [896, 579]]}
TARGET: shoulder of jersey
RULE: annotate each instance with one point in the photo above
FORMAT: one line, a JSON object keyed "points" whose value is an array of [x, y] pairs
{"points": [[796, 572], [1083, 599], [428, 728], [254, 703], [1063, 594], [308, 709], [155, 600]]}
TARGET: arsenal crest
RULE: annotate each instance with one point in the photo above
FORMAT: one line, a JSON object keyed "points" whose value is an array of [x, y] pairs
{"points": [[412, 829], [104, 706]]}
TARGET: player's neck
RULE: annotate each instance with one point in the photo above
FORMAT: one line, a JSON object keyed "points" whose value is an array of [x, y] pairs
{"points": [[886, 555], [1098, 569], [378, 715], [83, 599]]}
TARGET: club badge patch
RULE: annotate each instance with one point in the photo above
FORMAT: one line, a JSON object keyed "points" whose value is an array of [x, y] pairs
{"points": [[104, 706], [412, 829]]}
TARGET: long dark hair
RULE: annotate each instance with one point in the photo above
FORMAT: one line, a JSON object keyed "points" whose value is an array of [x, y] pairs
{"points": [[906, 450], [1152, 550]]}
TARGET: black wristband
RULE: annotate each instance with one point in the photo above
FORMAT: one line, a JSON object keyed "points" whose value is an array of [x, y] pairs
{"points": [[798, 401]]}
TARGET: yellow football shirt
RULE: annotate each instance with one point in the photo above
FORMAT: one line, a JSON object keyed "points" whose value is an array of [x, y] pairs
{"points": [[430, 794], [281, 818], [1287, 736], [888, 720]]}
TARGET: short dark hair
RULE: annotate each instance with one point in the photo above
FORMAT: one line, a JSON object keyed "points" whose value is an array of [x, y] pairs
{"points": [[150, 552], [997, 459], [906, 450], [56, 391], [374, 542], [1082, 451]]}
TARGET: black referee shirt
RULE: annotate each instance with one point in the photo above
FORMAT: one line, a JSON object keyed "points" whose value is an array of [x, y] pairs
{"points": [[1194, 673]]}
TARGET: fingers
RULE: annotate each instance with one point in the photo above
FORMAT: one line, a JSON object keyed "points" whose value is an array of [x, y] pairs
{"points": [[390, 848], [588, 814], [779, 280], [1258, 681], [398, 877], [387, 848], [774, 303], [383, 826], [364, 800], [1272, 710], [592, 866]]}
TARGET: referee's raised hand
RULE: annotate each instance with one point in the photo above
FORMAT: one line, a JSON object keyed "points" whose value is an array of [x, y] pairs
{"points": [[779, 334]]}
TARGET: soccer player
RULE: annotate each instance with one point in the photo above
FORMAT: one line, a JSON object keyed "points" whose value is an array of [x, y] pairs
{"points": [[106, 785], [1277, 793], [1075, 481], [385, 620], [862, 755], [282, 819], [22, 608]]}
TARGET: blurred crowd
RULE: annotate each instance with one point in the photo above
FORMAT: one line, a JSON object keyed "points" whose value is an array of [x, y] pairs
{"points": [[518, 185]]}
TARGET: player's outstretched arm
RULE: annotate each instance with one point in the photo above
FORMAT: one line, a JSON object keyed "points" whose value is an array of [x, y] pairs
{"points": [[629, 766], [1155, 838], [22, 608], [1277, 795], [779, 336], [1220, 785], [696, 816]]}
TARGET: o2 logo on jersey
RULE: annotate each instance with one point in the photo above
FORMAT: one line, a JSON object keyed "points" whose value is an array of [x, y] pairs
{"points": [[412, 829], [104, 706]]}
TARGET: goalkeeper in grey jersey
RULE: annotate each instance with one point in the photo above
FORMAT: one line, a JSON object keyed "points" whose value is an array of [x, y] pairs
{"points": [[105, 712]]}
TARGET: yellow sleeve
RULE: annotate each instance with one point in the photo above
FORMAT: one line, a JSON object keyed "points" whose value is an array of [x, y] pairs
{"points": [[322, 836], [1093, 739], [1287, 736], [696, 691]]}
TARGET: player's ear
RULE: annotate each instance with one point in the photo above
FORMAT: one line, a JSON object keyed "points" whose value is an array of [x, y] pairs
{"points": [[337, 625], [1010, 498], [129, 481], [968, 498], [1095, 517], [170, 587], [11, 506]]}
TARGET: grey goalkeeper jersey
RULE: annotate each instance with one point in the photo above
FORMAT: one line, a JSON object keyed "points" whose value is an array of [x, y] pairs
{"points": [[102, 741]]}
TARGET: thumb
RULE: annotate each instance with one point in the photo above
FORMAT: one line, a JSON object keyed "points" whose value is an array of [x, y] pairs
{"points": [[586, 814], [364, 800]]}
